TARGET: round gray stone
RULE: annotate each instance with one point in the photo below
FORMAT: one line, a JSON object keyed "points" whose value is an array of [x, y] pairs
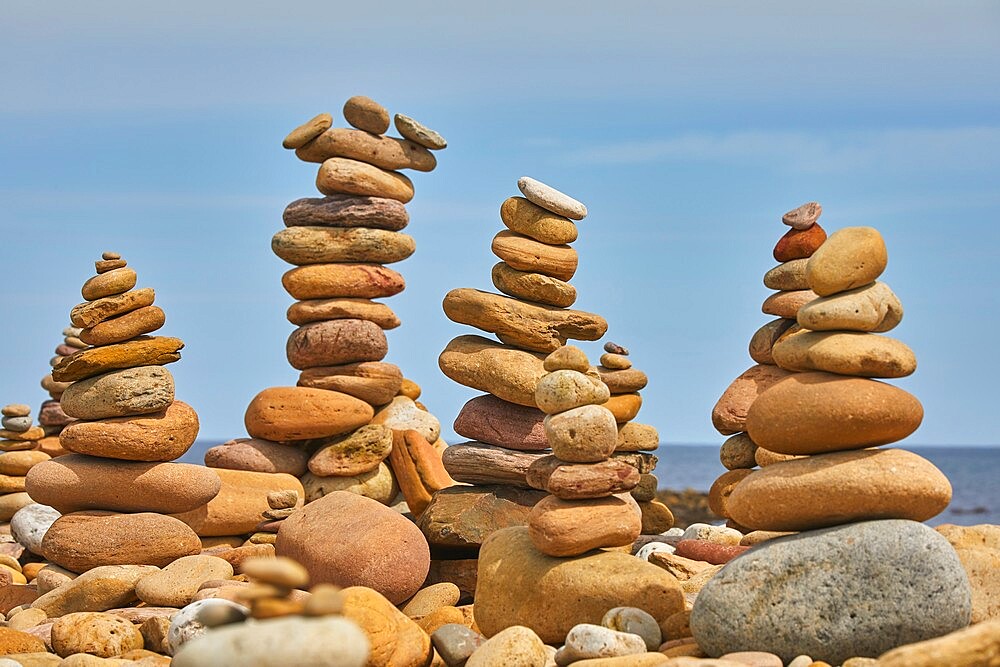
{"points": [[855, 590]]}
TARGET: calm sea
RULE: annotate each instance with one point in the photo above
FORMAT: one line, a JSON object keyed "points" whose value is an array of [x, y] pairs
{"points": [[974, 473]]}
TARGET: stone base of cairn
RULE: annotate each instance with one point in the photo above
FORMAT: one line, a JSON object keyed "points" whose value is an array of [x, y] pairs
{"points": [[20, 450], [117, 488]]}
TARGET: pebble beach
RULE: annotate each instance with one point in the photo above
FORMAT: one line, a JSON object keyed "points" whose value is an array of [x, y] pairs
{"points": [[340, 528]]}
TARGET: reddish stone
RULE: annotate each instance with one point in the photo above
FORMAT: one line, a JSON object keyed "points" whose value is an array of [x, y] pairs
{"points": [[497, 422], [799, 243], [16, 595], [709, 552]]}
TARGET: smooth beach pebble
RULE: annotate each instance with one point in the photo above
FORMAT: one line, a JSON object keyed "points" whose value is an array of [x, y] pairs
{"points": [[799, 243], [588, 641], [366, 114], [551, 199], [873, 308], [418, 133], [634, 621], [308, 131], [845, 353], [586, 434], [850, 258], [804, 216], [563, 390]]}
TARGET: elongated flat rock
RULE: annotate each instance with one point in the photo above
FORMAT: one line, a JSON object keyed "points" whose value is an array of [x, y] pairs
{"points": [[324, 245], [526, 254], [384, 152], [343, 176], [94, 312], [141, 351], [347, 211], [77, 482], [302, 413], [524, 217], [809, 413], [535, 287], [320, 310], [506, 372], [551, 199], [529, 326], [845, 353], [853, 486], [334, 281], [374, 382], [160, 436], [479, 463]]}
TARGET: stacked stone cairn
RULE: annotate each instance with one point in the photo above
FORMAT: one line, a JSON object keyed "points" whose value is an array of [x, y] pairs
{"points": [[20, 450], [740, 454], [505, 427], [624, 382], [50, 415], [119, 484], [830, 505], [335, 429]]}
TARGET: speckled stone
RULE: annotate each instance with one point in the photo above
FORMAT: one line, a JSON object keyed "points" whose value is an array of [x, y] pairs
{"points": [[854, 590]]}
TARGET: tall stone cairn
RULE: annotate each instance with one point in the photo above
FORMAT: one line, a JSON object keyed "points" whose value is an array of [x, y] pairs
{"points": [[119, 484], [335, 429]]}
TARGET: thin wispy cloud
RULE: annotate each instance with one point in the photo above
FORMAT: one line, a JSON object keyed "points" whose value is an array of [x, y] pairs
{"points": [[919, 149]]}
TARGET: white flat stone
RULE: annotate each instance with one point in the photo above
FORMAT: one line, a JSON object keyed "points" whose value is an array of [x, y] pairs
{"points": [[551, 199]]}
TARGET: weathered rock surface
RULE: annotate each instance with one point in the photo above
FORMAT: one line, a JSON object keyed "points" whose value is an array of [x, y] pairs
{"points": [[347, 211], [823, 593], [504, 371]]}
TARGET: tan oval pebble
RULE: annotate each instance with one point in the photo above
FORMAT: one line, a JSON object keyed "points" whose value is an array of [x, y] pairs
{"points": [[565, 389], [841, 487], [102, 588], [634, 437], [117, 281], [567, 357], [318, 310], [788, 276], [176, 584], [323, 245], [738, 452], [378, 484], [160, 436], [84, 540], [523, 217], [850, 257], [722, 488], [19, 463], [77, 482], [808, 413], [615, 362], [506, 372], [418, 133], [95, 633], [584, 434], [787, 304], [124, 327], [334, 281], [869, 308], [526, 254], [301, 413], [563, 528], [845, 353], [343, 176], [765, 457], [624, 407], [366, 114], [535, 287], [16, 642], [432, 598], [308, 131]]}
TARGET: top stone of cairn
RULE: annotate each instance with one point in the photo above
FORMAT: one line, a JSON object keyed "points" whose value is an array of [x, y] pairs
{"points": [[551, 199]]}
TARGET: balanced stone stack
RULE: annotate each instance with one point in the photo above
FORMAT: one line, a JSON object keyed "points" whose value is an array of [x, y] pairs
{"points": [[335, 429], [833, 413], [740, 454], [118, 486], [624, 383], [860, 575], [531, 319], [51, 416], [589, 506], [19, 440]]}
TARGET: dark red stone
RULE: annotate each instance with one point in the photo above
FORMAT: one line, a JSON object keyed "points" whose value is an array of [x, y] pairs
{"points": [[709, 552], [799, 244]]}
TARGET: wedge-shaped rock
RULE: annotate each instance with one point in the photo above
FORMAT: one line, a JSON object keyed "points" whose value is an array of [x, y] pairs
{"points": [[322, 245], [530, 326]]}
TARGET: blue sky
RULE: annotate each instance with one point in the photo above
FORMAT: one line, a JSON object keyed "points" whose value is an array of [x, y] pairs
{"points": [[686, 128]]}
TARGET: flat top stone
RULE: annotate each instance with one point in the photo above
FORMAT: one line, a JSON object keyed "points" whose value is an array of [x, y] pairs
{"points": [[551, 199], [804, 216], [16, 410]]}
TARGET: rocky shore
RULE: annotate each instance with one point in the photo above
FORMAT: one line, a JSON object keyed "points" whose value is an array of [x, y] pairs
{"points": [[344, 532]]}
